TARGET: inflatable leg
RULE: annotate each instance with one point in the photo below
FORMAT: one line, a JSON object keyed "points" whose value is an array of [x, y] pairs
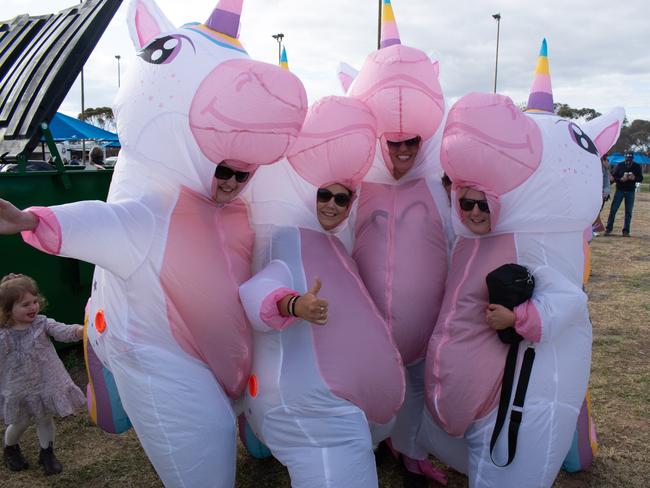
{"points": [[181, 415], [323, 452], [451, 451], [409, 415], [104, 405], [585, 443], [253, 445], [543, 441]]}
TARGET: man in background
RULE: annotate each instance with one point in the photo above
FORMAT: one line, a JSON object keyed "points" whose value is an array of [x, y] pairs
{"points": [[626, 175]]}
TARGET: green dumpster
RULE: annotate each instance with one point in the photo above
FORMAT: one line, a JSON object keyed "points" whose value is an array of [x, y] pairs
{"points": [[64, 282]]}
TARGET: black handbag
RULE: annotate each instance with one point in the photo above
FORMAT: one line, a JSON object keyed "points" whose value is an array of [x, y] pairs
{"points": [[511, 285]]}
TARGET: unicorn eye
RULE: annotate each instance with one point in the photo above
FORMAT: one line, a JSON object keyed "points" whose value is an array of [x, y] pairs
{"points": [[162, 50], [582, 139]]}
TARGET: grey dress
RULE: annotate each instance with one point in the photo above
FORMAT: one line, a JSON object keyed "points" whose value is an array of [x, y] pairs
{"points": [[33, 380]]}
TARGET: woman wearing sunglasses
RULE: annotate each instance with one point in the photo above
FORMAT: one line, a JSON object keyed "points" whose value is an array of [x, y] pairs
{"points": [[510, 171], [229, 182], [402, 228], [324, 363]]}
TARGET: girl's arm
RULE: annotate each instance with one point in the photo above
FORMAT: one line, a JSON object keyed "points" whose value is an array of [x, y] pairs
{"points": [[64, 332]]}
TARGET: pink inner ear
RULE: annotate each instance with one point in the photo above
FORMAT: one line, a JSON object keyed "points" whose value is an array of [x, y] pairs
{"points": [[607, 138], [145, 25]]}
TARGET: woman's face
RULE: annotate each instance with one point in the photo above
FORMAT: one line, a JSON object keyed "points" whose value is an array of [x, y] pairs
{"points": [[475, 213], [332, 205], [228, 182], [402, 155]]}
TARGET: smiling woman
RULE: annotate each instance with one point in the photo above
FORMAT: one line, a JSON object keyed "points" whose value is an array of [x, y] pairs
{"points": [[332, 205], [474, 210]]}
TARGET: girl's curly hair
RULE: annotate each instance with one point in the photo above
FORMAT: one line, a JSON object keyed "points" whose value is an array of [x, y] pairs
{"points": [[12, 288]]}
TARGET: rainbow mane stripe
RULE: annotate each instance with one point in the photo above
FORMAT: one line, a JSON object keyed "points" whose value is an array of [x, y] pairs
{"points": [[219, 38]]}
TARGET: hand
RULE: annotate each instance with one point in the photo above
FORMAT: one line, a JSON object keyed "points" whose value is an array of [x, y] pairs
{"points": [[311, 308], [13, 220], [499, 317], [80, 333]]}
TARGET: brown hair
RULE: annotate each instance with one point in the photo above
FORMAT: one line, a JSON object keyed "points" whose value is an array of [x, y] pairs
{"points": [[12, 288]]}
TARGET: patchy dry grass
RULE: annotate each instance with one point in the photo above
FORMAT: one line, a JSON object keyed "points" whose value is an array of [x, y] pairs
{"points": [[619, 292]]}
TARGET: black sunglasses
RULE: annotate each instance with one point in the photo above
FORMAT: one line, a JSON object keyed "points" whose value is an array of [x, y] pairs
{"points": [[341, 199], [409, 142], [222, 172], [467, 204]]}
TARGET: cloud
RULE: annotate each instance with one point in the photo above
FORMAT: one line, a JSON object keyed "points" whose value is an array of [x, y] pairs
{"points": [[598, 51]]}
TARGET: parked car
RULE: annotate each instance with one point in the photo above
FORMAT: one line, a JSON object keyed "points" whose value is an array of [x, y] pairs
{"points": [[110, 162]]}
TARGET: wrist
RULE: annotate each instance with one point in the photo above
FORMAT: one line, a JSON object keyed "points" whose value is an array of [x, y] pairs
{"points": [[29, 221]]}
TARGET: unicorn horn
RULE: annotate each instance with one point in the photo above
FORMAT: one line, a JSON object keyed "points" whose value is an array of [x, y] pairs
{"points": [[225, 17], [540, 99], [284, 62], [389, 32]]}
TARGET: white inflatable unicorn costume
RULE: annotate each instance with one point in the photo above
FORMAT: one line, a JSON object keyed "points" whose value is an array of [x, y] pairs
{"points": [[315, 387], [165, 326], [402, 226], [541, 175]]}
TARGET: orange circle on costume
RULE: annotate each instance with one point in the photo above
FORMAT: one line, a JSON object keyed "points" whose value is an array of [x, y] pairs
{"points": [[100, 321], [252, 385]]}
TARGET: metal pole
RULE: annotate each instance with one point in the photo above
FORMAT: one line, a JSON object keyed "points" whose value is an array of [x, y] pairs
{"points": [[117, 56], [83, 116], [497, 17], [379, 25], [278, 37]]}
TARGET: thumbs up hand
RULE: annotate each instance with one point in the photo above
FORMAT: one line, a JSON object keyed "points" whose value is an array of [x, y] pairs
{"points": [[311, 308]]}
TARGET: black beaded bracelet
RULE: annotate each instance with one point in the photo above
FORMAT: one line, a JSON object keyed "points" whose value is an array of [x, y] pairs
{"points": [[291, 306]]}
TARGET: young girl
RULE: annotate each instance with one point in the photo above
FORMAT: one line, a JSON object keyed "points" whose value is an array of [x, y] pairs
{"points": [[33, 381]]}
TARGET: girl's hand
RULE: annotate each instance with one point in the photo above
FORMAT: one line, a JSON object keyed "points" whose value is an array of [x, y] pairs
{"points": [[13, 220], [499, 317], [311, 308]]}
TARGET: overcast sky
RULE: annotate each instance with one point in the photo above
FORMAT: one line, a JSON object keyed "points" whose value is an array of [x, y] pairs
{"points": [[599, 51]]}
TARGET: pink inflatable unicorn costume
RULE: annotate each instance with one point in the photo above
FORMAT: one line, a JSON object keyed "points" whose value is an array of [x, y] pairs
{"points": [[165, 326], [402, 226], [315, 387], [541, 176]]}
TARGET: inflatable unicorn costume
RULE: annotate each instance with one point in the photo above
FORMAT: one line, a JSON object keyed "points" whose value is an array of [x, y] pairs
{"points": [[164, 324], [315, 387], [541, 176], [402, 227]]}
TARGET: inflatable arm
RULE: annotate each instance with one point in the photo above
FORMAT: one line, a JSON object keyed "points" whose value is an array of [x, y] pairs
{"points": [[556, 304], [260, 295], [121, 233]]}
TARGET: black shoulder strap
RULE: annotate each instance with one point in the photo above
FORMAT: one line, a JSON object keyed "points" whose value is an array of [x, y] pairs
{"points": [[517, 405]]}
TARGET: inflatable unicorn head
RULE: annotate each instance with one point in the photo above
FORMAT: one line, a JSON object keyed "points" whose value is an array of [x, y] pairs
{"points": [[400, 86], [197, 85], [540, 172]]}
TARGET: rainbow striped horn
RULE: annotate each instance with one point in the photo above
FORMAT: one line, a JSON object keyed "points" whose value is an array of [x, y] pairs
{"points": [[389, 32], [540, 99], [225, 17], [284, 62]]}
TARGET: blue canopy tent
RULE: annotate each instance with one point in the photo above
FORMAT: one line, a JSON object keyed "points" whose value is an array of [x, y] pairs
{"points": [[66, 128], [640, 158]]}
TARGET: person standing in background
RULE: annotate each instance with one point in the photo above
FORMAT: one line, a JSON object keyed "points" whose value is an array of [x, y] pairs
{"points": [[626, 175]]}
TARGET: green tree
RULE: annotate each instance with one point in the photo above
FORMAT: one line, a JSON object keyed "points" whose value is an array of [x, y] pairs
{"points": [[101, 117]]}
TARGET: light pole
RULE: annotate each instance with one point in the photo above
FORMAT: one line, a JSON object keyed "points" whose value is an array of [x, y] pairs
{"points": [[117, 56], [496, 17], [279, 37]]}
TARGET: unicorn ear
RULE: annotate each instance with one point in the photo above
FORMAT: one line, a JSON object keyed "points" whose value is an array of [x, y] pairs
{"points": [[604, 130], [346, 75], [146, 21], [436, 68]]}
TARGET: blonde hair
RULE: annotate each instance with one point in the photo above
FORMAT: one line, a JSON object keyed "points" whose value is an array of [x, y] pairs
{"points": [[12, 288]]}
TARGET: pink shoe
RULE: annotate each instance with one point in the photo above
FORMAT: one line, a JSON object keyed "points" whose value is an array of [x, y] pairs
{"points": [[424, 468]]}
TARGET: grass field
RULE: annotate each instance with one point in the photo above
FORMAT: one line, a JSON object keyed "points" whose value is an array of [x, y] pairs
{"points": [[619, 292]]}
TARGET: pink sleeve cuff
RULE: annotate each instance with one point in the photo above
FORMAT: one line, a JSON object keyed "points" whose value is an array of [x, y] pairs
{"points": [[269, 313], [528, 323], [47, 235]]}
